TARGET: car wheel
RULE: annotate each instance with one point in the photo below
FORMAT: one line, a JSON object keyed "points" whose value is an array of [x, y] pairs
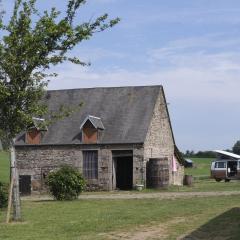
{"points": [[218, 179], [227, 180]]}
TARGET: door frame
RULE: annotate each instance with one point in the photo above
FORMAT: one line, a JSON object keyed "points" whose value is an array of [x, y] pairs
{"points": [[115, 155]]}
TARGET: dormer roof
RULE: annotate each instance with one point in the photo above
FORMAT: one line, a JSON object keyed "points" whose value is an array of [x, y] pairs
{"points": [[96, 122], [39, 124]]}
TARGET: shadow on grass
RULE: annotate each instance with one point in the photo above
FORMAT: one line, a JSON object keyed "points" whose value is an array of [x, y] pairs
{"points": [[222, 227], [44, 200]]}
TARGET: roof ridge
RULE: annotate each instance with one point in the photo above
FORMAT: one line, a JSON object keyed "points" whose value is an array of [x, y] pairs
{"points": [[132, 86], [94, 116]]}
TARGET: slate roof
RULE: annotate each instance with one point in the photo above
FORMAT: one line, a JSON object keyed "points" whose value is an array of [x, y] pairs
{"points": [[125, 112]]}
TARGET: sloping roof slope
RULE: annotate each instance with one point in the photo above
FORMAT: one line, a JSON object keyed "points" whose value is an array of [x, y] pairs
{"points": [[125, 112]]}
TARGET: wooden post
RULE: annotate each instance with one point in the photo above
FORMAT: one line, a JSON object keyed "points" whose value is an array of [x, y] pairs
{"points": [[14, 200]]}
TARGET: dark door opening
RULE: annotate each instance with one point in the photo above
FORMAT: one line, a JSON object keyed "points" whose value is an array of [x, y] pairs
{"points": [[232, 168], [122, 170], [25, 184]]}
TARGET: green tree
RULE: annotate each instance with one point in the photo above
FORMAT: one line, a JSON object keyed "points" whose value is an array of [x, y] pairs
{"points": [[236, 147], [31, 43]]}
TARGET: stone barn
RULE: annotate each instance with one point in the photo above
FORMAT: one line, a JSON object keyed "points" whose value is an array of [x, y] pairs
{"points": [[120, 137]]}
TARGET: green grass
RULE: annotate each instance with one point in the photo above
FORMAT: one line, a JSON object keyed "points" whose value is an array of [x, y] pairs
{"points": [[203, 185], [208, 185], [202, 218], [4, 167], [94, 219], [201, 167]]}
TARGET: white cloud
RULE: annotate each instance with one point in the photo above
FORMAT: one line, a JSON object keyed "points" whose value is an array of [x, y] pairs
{"points": [[208, 64], [186, 68], [181, 83]]}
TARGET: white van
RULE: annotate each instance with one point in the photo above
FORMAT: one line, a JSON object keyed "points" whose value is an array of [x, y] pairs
{"points": [[225, 170], [226, 166]]}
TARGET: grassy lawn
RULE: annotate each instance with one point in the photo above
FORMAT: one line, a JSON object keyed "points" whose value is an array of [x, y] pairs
{"points": [[203, 185], [201, 167], [4, 167], [96, 219], [195, 218]]}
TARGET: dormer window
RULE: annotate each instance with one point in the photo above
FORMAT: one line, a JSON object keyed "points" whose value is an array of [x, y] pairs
{"points": [[34, 132], [91, 128]]}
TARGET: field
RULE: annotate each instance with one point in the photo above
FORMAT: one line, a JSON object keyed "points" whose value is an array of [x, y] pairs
{"points": [[4, 167], [215, 217], [201, 168]]}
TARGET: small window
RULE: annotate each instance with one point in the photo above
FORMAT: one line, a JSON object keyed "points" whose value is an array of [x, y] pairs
{"points": [[90, 164], [220, 165]]}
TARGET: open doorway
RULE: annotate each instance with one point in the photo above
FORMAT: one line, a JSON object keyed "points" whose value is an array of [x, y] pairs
{"points": [[25, 184], [232, 168], [122, 169]]}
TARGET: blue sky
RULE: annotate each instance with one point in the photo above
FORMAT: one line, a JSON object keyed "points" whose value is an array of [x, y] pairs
{"points": [[191, 47]]}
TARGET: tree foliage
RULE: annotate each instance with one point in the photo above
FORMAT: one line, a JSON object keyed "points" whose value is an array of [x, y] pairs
{"points": [[66, 183], [236, 147], [32, 42], [200, 154]]}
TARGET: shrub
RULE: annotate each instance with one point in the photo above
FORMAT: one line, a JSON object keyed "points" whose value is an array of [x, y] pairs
{"points": [[3, 195], [65, 183]]}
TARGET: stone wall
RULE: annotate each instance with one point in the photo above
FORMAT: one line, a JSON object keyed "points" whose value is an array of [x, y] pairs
{"points": [[139, 166], [178, 176], [159, 141], [37, 161]]}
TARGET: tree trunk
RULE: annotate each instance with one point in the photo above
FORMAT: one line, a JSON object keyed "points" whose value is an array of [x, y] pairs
{"points": [[9, 201], [14, 190]]}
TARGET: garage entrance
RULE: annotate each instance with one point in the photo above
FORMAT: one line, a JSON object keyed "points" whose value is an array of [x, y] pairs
{"points": [[122, 169]]}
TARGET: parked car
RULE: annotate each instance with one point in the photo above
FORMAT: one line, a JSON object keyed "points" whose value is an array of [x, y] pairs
{"points": [[226, 166]]}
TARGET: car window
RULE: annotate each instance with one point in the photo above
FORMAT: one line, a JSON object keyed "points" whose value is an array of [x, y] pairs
{"points": [[220, 165]]}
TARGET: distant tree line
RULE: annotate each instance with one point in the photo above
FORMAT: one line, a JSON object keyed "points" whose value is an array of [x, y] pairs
{"points": [[209, 154], [199, 154]]}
